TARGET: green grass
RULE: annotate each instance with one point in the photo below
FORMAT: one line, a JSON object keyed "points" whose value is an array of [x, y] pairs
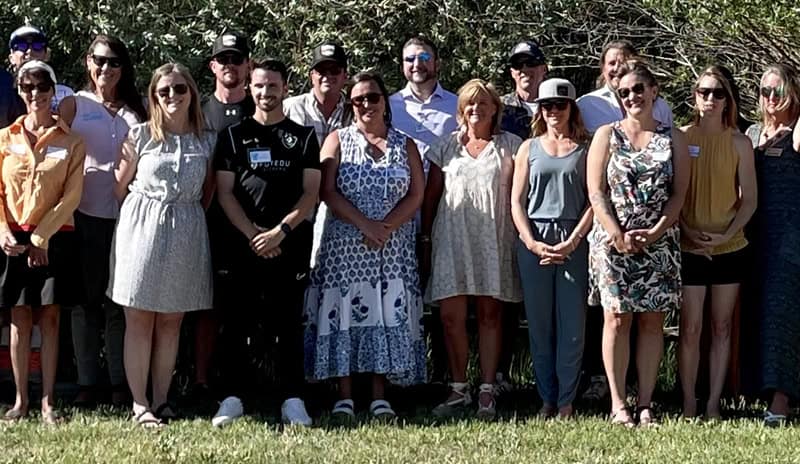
{"points": [[108, 436]]}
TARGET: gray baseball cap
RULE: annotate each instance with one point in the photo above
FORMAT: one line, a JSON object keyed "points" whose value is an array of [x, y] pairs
{"points": [[556, 89]]}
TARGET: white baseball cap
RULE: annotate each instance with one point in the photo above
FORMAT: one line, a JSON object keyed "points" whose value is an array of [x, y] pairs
{"points": [[37, 64], [556, 89]]}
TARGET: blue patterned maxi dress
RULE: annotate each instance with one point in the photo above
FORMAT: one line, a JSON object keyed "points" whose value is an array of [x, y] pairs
{"points": [[364, 307]]}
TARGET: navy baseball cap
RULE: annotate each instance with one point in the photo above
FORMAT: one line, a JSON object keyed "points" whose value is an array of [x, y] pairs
{"points": [[527, 49], [27, 33]]}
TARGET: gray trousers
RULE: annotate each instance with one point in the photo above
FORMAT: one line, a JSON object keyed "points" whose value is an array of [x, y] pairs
{"points": [[555, 304], [98, 316]]}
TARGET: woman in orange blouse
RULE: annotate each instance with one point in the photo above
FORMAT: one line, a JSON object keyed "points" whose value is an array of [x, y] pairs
{"points": [[41, 177]]}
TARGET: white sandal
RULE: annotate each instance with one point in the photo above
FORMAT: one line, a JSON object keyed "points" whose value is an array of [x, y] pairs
{"points": [[490, 411], [773, 420], [344, 408], [381, 409], [451, 407]]}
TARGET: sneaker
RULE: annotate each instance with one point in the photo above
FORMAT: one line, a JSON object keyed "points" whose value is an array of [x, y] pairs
{"points": [[460, 399], [598, 388], [502, 385], [229, 410], [293, 412]]}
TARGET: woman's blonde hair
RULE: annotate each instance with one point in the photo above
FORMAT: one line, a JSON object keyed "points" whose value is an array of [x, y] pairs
{"points": [[471, 90], [577, 129], [791, 87], [730, 114], [156, 121]]}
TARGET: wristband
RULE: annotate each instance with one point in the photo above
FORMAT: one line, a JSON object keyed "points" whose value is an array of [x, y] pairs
{"points": [[286, 228]]}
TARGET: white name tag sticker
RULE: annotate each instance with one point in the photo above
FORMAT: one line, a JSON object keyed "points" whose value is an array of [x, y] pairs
{"points": [[662, 155], [56, 152], [397, 172], [694, 151], [775, 152], [260, 155]]}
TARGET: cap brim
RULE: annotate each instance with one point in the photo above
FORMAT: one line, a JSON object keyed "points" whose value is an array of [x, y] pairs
{"points": [[531, 56], [229, 50], [318, 62], [560, 97]]}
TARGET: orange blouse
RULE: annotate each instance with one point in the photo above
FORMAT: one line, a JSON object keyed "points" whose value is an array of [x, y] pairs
{"points": [[40, 186]]}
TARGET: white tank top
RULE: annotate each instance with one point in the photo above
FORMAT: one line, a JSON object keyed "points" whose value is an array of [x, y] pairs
{"points": [[103, 134]]}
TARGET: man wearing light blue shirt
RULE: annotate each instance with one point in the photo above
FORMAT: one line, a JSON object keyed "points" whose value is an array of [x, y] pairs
{"points": [[423, 110]]}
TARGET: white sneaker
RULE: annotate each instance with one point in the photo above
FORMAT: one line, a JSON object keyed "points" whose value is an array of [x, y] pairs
{"points": [[293, 412], [229, 410]]}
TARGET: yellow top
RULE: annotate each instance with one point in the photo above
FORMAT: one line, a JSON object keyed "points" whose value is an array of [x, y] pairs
{"points": [[40, 185], [713, 196]]}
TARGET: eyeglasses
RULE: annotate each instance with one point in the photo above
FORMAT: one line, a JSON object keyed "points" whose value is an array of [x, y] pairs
{"points": [[100, 61], [519, 64], [230, 58], [178, 89], [23, 47], [767, 92], [42, 87], [718, 92], [637, 89], [372, 98], [423, 57], [559, 104]]}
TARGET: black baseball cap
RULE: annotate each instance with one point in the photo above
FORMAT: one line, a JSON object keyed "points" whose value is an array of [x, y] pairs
{"points": [[527, 49], [329, 51], [27, 33], [231, 42]]}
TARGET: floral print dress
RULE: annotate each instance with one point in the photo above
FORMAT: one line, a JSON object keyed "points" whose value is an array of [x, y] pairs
{"points": [[639, 186]]}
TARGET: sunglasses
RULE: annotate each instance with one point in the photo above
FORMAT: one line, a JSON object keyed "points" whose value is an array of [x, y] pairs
{"points": [[519, 64], [231, 58], [372, 98], [25, 46], [560, 105], [767, 92], [42, 87], [637, 89], [718, 92], [329, 70], [100, 61], [178, 89], [423, 57]]}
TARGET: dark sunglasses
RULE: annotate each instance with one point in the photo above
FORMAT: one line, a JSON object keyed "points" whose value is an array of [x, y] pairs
{"points": [[25, 46], [101, 61], [519, 64], [560, 105], [767, 92], [424, 57], [637, 89], [42, 87], [231, 58], [718, 92], [372, 98], [329, 70], [179, 89]]}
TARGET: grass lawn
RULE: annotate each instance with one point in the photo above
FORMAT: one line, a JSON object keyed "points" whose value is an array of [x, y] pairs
{"points": [[108, 435]]}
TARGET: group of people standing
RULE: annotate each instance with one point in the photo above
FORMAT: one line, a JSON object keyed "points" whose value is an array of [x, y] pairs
{"points": [[171, 203]]}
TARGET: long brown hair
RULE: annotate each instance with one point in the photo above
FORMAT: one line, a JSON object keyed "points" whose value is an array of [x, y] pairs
{"points": [[731, 112], [156, 121], [628, 50], [126, 87], [577, 129]]}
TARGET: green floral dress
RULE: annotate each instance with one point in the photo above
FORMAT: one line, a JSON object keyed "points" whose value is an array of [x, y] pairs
{"points": [[639, 186]]}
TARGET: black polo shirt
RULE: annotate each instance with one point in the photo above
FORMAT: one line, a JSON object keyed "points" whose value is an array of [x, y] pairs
{"points": [[268, 163]]}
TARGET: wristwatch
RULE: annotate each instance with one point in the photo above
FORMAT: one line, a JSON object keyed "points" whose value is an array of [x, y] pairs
{"points": [[286, 228]]}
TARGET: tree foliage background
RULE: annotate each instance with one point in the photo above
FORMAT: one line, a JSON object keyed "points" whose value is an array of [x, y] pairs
{"points": [[679, 37]]}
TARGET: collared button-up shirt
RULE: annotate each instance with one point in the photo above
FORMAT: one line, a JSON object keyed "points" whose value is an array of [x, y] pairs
{"points": [[40, 185], [517, 115], [424, 121], [601, 107], [304, 110]]}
